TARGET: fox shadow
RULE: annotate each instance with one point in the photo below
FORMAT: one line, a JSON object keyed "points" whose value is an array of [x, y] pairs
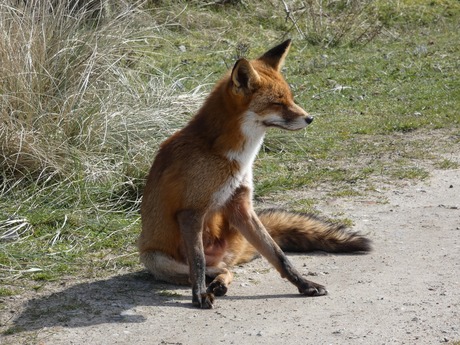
{"points": [[114, 300]]}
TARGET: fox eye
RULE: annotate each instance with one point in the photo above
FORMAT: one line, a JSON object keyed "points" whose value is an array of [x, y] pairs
{"points": [[278, 104]]}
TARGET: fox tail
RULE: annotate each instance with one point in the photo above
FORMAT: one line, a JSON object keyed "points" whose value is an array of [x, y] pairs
{"points": [[297, 232]]}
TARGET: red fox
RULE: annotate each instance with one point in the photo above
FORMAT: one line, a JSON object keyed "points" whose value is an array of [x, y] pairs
{"points": [[197, 213]]}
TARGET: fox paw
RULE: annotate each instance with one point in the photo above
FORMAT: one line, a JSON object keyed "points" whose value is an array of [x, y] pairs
{"points": [[204, 301], [217, 288], [309, 288]]}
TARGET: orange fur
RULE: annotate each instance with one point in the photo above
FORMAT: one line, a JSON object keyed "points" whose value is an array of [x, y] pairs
{"points": [[197, 213]]}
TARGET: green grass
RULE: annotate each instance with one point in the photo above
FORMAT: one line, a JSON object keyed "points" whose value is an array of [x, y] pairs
{"points": [[84, 105], [167, 293], [7, 292], [447, 164]]}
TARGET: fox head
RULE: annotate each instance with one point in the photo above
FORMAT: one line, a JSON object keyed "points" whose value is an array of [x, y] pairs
{"points": [[260, 85]]}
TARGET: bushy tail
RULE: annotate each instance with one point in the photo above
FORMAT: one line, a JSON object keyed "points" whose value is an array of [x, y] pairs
{"points": [[296, 232]]}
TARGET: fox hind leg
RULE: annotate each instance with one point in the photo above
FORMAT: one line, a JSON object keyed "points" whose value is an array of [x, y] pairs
{"points": [[165, 268], [221, 278]]}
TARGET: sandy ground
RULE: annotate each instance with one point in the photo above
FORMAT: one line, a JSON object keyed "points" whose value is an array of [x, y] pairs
{"points": [[407, 291]]}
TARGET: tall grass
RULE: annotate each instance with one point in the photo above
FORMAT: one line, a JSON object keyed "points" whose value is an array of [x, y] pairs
{"points": [[74, 103], [83, 107]]}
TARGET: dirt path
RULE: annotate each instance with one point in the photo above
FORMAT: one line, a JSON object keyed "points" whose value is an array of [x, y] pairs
{"points": [[406, 292]]}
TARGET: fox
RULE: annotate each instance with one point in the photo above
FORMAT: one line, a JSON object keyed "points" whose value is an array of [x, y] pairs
{"points": [[197, 212]]}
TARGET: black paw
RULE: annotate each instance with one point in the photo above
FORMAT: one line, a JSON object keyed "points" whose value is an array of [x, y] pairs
{"points": [[217, 288], [204, 301], [309, 288]]}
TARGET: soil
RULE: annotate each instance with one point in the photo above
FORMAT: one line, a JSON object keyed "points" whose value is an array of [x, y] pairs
{"points": [[407, 291]]}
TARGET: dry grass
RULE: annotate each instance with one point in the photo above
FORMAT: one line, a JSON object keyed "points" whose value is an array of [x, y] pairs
{"points": [[73, 101], [83, 107], [334, 22]]}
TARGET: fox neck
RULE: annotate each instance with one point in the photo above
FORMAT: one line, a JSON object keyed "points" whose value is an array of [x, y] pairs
{"points": [[232, 129], [253, 134]]}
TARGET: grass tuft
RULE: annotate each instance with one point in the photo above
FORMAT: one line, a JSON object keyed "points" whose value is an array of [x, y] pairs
{"points": [[447, 164], [71, 107], [334, 23]]}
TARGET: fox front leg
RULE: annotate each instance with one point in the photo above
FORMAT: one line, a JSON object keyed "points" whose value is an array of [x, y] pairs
{"points": [[242, 216], [191, 227], [257, 235]]}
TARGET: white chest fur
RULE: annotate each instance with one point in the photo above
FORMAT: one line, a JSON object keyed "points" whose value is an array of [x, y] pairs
{"points": [[253, 132]]}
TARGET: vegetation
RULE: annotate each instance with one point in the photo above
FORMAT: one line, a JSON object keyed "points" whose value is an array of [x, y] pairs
{"points": [[87, 94]]}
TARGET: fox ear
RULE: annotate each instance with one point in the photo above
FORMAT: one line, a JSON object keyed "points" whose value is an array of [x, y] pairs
{"points": [[244, 77], [275, 56]]}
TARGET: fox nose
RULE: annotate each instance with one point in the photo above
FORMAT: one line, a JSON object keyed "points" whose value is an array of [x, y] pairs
{"points": [[309, 119]]}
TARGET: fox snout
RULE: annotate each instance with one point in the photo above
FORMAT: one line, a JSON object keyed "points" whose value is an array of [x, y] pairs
{"points": [[297, 118], [289, 121], [299, 114]]}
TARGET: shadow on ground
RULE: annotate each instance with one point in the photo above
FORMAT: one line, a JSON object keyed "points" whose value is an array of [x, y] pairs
{"points": [[103, 301], [113, 300]]}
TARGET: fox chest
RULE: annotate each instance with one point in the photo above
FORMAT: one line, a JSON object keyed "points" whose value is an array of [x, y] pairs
{"points": [[244, 160], [226, 191]]}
